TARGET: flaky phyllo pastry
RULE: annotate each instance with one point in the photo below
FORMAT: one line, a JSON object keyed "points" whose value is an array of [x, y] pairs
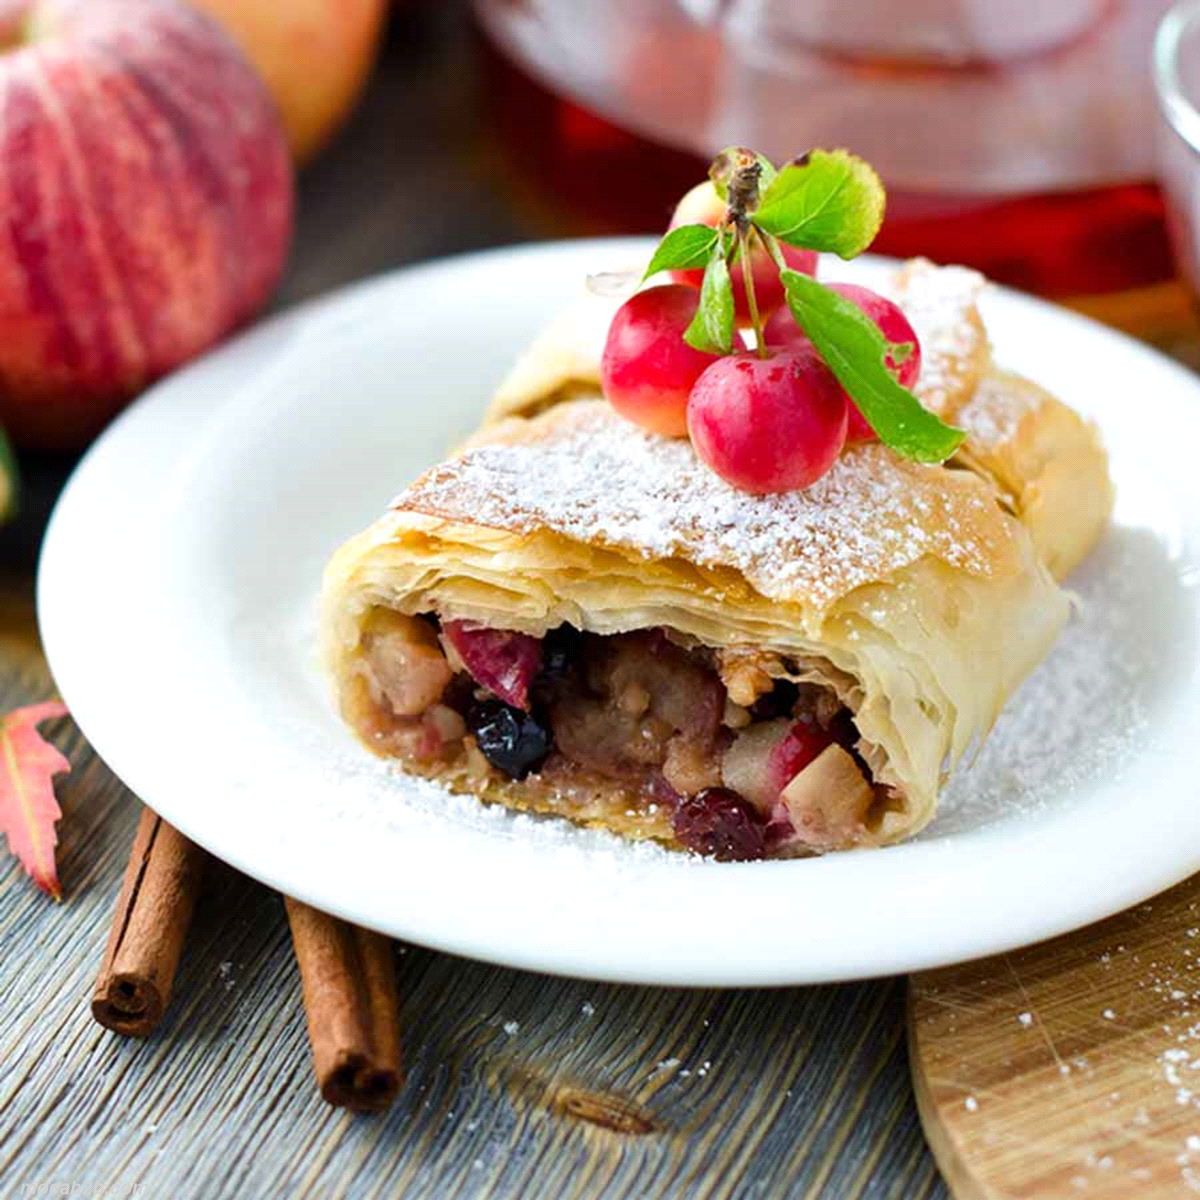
{"points": [[575, 616]]}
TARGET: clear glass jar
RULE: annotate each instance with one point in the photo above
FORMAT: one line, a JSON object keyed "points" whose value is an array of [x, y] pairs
{"points": [[1028, 118], [941, 95]]}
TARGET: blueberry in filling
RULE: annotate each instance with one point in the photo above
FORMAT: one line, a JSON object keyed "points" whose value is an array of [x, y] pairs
{"points": [[513, 741]]}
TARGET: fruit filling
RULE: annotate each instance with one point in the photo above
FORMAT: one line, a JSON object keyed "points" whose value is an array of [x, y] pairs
{"points": [[745, 756]]}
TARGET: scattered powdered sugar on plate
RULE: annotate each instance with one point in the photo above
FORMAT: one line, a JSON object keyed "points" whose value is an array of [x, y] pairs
{"points": [[380, 795], [1085, 709]]}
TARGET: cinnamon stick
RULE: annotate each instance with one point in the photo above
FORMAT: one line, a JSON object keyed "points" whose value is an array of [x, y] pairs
{"points": [[351, 1003], [162, 880]]}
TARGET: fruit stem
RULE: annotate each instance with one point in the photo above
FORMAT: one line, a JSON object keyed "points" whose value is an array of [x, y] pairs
{"points": [[746, 242], [771, 242], [742, 192]]}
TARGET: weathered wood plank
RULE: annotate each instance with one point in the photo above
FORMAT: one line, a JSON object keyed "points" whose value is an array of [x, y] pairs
{"points": [[517, 1084]]}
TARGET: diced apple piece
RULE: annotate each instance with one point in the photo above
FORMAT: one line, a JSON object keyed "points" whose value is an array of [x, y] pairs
{"points": [[406, 667], [828, 801], [745, 767], [443, 726], [765, 758], [805, 740]]}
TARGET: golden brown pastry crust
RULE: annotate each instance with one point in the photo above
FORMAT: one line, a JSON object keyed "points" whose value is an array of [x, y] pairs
{"points": [[1046, 459], [562, 362], [942, 305]]}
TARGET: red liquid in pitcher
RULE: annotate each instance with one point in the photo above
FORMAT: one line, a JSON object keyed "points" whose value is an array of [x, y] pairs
{"points": [[593, 177]]}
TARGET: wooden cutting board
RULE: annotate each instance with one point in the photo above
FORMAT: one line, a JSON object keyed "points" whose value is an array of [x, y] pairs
{"points": [[1071, 1068]]}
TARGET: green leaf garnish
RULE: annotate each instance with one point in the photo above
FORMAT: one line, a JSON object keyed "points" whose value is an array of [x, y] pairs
{"points": [[711, 330], [827, 200], [726, 162], [683, 249], [854, 350]]}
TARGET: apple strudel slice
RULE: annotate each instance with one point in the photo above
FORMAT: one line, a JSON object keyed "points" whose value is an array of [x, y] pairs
{"points": [[574, 616]]}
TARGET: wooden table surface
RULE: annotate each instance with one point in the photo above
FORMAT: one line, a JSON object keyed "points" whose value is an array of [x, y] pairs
{"points": [[517, 1084]]}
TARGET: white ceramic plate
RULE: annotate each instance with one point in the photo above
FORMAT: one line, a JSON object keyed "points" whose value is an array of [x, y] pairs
{"points": [[177, 593]]}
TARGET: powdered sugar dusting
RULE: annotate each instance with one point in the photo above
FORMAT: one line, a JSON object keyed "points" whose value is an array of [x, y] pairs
{"points": [[381, 797], [1180, 1067], [995, 411], [1156, 970], [940, 304], [593, 476]]}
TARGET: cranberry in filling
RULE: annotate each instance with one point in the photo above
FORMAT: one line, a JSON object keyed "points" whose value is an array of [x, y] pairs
{"points": [[720, 823], [500, 660]]}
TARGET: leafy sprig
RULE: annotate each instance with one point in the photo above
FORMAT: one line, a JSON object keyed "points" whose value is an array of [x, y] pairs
{"points": [[829, 201]]}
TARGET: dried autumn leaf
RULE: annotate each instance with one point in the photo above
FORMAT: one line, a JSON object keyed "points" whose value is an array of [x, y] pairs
{"points": [[28, 809]]}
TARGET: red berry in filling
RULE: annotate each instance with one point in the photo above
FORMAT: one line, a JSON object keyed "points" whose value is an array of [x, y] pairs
{"points": [[647, 369], [782, 330], [500, 660], [804, 741], [702, 206], [768, 424], [719, 823]]}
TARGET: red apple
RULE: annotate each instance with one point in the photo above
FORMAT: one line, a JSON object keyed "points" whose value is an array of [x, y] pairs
{"points": [[314, 56], [702, 206], [147, 194]]}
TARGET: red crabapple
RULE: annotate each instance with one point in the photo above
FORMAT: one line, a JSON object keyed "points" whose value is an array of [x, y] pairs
{"points": [[768, 424], [647, 369], [782, 330], [702, 206]]}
